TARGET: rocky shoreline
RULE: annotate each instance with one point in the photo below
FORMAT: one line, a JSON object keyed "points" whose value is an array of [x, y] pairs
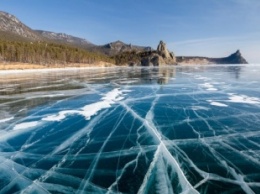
{"points": [[162, 56]]}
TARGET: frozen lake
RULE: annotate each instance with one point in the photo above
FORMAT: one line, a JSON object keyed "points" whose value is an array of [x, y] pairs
{"points": [[193, 129]]}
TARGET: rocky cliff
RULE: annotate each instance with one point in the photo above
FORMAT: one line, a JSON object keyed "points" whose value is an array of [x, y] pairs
{"points": [[161, 56], [158, 57]]}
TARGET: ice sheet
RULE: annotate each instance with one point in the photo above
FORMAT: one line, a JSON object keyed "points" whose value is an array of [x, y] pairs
{"points": [[131, 130]]}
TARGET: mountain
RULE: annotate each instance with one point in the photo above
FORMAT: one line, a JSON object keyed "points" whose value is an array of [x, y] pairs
{"points": [[10, 25], [235, 58], [117, 47]]}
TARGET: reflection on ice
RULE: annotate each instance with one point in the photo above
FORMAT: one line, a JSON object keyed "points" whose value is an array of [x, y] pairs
{"points": [[131, 130]]}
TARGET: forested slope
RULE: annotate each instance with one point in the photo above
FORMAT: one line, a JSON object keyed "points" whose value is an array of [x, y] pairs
{"points": [[40, 52]]}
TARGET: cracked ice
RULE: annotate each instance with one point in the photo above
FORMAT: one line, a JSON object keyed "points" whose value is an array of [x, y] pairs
{"points": [[131, 130]]}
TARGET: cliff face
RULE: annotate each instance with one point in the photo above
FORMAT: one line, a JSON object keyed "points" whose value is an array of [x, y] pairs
{"points": [[235, 58]]}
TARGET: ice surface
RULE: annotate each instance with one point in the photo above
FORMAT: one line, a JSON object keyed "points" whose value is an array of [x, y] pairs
{"points": [[131, 130]]}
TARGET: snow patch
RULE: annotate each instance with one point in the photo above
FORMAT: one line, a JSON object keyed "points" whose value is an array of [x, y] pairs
{"points": [[244, 99], [6, 119], [45, 96], [212, 89], [208, 87], [91, 109], [202, 78], [218, 104], [25, 125], [199, 108]]}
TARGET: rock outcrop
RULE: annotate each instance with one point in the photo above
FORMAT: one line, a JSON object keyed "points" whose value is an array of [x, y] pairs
{"points": [[163, 51], [161, 56]]}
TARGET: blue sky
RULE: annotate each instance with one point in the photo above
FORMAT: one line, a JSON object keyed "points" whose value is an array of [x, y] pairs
{"points": [[213, 28]]}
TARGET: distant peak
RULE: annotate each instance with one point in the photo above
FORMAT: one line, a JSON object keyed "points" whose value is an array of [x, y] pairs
{"points": [[238, 52], [5, 13], [236, 58], [9, 16], [117, 42]]}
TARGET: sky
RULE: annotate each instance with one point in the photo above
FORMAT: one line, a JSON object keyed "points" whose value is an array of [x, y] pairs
{"points": [[212, 28]]}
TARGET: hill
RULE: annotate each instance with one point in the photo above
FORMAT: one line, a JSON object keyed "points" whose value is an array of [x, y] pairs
{"points": [[19, 43]]}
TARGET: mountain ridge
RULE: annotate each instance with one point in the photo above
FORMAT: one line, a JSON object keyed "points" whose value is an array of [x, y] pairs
{"points": [[62, 37], [11, 24]]}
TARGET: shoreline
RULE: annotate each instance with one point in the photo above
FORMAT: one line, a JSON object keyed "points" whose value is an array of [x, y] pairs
{"points": [[17, 67]]}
